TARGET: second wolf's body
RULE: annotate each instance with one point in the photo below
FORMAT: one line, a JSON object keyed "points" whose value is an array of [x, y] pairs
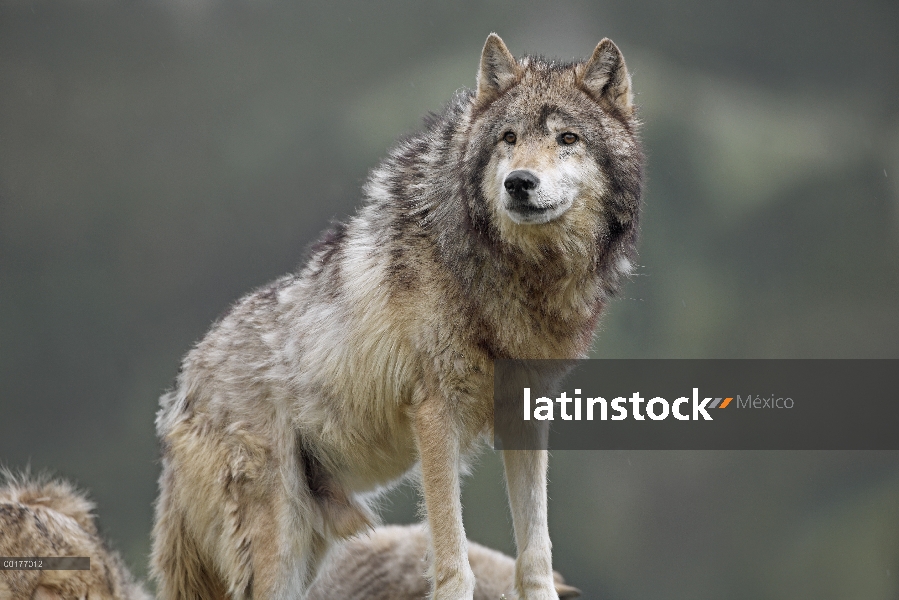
{"points": [[41, 517], [390, 563], [498, 231]]}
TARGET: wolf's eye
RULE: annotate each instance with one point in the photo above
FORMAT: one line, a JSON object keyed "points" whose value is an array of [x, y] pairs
{"points": [[568, 138], [510, 137]]}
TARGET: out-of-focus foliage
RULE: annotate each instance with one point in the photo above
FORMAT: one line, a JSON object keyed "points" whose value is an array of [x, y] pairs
{"points": [[159, 159]]}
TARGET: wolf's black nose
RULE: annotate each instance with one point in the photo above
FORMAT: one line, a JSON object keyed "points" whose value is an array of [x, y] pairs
{"points": [[520, 183]]}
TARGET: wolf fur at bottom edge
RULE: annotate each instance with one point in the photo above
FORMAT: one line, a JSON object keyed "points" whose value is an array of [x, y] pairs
{"points": [[500, 230], [41, 516]]}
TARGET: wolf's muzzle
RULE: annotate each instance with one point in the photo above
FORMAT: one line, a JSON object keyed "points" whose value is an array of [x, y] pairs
{"points": [[519, 184]]}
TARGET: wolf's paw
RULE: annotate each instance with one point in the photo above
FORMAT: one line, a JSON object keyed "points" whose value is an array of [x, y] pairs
{"points": [[534, 576], [458, 585], [539, 594], [539, 588]]}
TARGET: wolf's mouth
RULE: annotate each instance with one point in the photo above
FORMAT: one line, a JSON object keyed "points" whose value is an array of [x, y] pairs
{"points": [[525, 212], [529, 209]]}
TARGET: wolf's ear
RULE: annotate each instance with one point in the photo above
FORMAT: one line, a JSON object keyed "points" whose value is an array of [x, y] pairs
{"points": [[605, 77], [498, 70], [566, 591]]}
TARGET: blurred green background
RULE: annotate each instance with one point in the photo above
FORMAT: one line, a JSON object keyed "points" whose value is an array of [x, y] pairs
{"points": [[160, 158]]}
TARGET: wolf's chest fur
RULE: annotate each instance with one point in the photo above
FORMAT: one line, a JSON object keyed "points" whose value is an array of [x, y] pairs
{"points": [[343, 349]]}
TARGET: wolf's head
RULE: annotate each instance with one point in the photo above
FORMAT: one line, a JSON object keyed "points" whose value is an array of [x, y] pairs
{"points": [[554, 152]]}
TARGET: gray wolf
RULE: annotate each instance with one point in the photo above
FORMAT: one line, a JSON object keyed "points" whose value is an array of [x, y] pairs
{"points": [[43, 517], [390, 563], [498, 231]]}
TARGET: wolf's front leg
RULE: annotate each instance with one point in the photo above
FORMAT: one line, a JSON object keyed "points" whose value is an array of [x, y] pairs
{"points": [[526, 482], [438, 446]]}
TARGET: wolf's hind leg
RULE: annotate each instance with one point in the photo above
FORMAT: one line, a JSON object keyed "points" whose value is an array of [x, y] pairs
{"points": [[266, 556], [235, 519], [179, 566]]}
